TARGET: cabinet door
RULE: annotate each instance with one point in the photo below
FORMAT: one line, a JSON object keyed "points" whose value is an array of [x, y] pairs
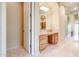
{"points": [[56, 38], [50, 39]]}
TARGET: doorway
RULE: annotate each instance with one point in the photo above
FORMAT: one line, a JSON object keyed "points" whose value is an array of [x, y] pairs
{"points": [[76, 26], [72, 26], [17, 15], [68, 28], [49, 25]]}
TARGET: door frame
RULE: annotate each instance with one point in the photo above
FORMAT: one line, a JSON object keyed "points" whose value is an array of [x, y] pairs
{"points": [[35, 29], [22, 25], [3, 29], [26, 30]]}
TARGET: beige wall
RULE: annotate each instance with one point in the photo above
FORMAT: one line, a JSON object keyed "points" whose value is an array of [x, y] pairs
{"points": [[13, 16], [0, 28]]}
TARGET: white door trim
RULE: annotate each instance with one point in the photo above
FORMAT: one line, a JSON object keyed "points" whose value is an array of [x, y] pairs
{"points": [[27, 27], [32, 30], [3, 29], [35, 29]]}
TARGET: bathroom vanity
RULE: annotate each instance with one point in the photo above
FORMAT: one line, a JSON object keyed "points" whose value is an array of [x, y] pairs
{"points": [[43, 40], [46, 38], [47, 34]]}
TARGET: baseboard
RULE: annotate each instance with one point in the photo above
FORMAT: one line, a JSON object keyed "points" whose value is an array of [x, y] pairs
{"points": [[13, 48]]}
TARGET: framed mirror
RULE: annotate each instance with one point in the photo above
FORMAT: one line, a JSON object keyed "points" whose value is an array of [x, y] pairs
{"points": [[43, 22]]}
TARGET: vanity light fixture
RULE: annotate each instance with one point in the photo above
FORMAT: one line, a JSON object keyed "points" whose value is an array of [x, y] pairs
{"points": [[44, 8]]}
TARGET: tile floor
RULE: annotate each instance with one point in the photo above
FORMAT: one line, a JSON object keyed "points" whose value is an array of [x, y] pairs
{"points": [[69, 47], [19, 52]]}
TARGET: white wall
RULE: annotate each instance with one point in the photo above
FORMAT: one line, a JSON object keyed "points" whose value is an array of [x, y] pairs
{"points": [[62, 22], [37, 28], [0, 28], [52, 17], [13, 17], [72, 21], [78, 25], [55, 18]]}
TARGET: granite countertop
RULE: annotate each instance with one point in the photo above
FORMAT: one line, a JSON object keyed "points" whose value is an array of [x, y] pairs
{"points": [[47, 32]]}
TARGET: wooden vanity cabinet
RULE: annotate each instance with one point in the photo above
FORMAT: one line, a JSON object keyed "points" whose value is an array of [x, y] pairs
{"points": [[43, 41], [53, 38], [50, 38]]}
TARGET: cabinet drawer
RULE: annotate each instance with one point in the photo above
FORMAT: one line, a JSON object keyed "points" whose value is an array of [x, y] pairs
{"points": [[43, 46], [43, 41], [42, 36]]}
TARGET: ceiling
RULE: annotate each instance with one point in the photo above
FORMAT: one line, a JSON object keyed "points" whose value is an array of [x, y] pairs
{"points": [[70, 6], [47, 4]]}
